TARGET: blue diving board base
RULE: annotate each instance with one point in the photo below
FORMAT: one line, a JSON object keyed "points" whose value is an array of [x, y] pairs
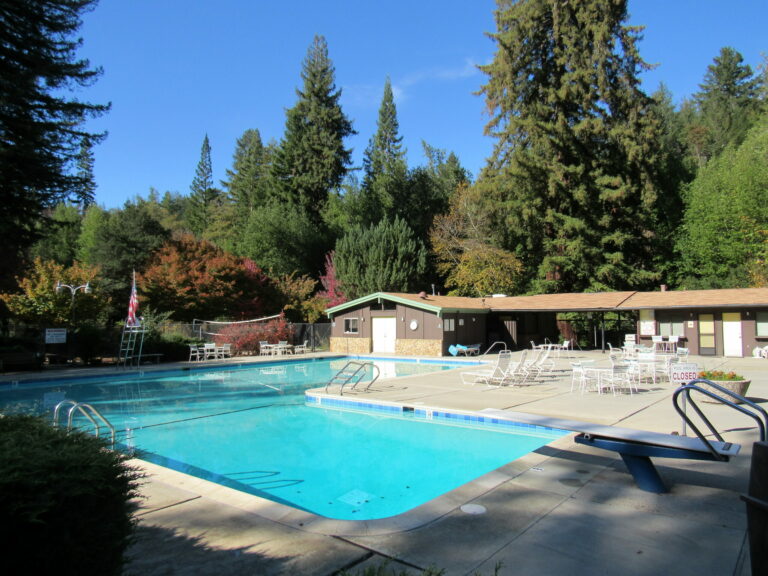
{"points": [[637, 458], [636, 447]]}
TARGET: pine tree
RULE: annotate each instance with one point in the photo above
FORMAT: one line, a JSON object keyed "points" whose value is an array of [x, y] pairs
{"points": [[87, 188], [204, 197], [576, 141], [311, 160], [386, 257], [728, 100], [41, 128], [385, 181], [247, 184]]}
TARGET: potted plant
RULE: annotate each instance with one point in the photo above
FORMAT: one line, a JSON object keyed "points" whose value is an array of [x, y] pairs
{"points": [[728, 380]]}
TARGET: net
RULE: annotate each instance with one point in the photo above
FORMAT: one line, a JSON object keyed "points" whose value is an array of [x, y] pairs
{"points": [[206, 329]]}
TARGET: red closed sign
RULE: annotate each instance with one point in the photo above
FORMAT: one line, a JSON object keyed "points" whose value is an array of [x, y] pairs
{"points": [[683, 373]]}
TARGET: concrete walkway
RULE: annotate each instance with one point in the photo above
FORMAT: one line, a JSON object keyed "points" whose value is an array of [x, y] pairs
{"points": [[564, 509]]}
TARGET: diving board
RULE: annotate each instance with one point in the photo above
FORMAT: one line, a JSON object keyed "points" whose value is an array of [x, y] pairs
{"points": [[636, 447]]}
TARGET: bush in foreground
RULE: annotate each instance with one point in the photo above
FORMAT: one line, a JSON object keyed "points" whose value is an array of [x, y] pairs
{"points": [[66, 501]]}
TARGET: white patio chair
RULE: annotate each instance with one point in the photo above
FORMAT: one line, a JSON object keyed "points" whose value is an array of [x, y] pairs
{"points": [[620, 377], [224, 351], [579, 375], [265, 348], [194, 353], [301, 348], [672, 343], [209, 351], [564, 346]]}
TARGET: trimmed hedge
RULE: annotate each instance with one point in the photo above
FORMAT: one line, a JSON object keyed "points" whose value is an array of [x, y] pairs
{"points": [[66, 501]]}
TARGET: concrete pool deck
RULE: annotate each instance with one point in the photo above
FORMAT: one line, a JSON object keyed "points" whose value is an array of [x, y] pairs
{"points": [[564, 509]]}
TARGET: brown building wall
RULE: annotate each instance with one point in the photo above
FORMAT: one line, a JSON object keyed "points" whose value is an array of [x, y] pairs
{"points": [[690, 319], [418, 332]]}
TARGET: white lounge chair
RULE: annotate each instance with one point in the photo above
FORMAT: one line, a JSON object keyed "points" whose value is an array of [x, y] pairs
{"points": [[497, 371]]}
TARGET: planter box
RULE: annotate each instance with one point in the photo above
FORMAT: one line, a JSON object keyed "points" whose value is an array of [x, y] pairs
{"points": [[736, 386]]}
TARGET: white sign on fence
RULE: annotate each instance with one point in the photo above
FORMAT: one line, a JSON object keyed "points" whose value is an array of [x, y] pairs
{"points": [[683, 373], [55, 335]]}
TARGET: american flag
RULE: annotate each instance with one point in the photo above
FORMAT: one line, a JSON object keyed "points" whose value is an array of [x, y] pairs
{"points": [[133, 305]]}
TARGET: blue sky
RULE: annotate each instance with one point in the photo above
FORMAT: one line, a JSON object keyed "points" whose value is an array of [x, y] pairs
{"points": [[176, 70]]}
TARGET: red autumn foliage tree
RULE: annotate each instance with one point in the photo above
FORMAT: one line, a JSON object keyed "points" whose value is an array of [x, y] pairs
{"points": [[194, 279], [331, 291]]}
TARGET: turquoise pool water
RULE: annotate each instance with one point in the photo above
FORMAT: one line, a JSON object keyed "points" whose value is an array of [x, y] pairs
{"points": [[250, 428]]}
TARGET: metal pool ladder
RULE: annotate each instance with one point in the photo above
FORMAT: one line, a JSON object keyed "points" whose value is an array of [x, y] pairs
{"points": [[352, 372], [93, 416]]}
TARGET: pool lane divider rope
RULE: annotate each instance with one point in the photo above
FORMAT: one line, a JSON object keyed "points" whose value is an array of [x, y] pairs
{"points": [[213, 415]]}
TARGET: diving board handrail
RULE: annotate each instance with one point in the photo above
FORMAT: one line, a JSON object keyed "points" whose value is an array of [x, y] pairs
{"points": [[504, 344], [685, 390]]}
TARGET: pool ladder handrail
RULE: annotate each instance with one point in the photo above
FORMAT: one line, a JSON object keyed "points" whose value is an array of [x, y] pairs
{"points": [[757, 413], [89, 412], [352, 372], [491, 347]]}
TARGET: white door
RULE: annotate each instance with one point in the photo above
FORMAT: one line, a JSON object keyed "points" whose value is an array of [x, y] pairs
{"points": [[732, 345], [384, 334]]}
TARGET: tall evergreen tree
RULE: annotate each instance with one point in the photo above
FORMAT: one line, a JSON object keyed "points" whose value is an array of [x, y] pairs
{"points": [[41, 127], [385, 181], [247, 180], [94, 219], [87, 187], [311, 160], [576, 141], [729, 100], [204, 197], [62, 235]]}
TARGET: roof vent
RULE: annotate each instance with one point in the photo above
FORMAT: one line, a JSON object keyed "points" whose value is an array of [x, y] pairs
{"points": [[663, 287], [423, 295]]}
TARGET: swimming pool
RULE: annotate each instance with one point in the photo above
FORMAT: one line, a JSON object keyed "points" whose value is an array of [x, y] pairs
{"points": [[250, 428]]}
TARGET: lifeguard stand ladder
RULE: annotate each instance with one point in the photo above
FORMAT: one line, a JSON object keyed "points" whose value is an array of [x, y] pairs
{"points": [[132, 335]]}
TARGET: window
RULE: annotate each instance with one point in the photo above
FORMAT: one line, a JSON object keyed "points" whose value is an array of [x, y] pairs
{"points": [[672, 326], [647, 323], [449, 325], [350, 326], [761, 324]]}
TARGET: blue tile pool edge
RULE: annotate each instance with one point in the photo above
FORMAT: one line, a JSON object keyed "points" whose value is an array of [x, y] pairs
{"points": [[13, 380], [434, 414]]}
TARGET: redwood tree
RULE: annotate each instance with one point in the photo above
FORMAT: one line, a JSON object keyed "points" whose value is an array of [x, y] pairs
{"points": [[573, 169]]}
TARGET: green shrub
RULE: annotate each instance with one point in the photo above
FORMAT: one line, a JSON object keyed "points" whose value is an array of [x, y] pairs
{"points": [[66, 501], [174, 347]]}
